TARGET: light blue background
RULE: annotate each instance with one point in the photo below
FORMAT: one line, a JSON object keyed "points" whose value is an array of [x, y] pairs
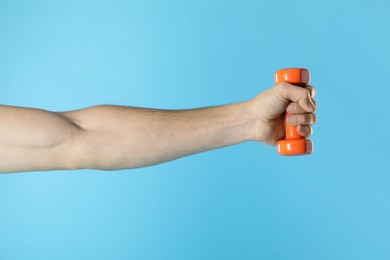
{"points": [[240, 202]]}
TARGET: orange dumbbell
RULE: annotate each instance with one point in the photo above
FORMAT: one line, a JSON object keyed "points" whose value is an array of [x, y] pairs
{"points": [[294, 144]]}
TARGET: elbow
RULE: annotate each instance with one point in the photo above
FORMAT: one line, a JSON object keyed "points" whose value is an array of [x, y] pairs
{"points": [[81, 151], [71, 152]]}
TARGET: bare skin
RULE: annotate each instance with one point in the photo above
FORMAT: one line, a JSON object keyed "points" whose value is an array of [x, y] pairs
{"points": [[118, 137]]}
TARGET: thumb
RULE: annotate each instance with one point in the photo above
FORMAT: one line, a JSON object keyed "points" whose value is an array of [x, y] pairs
{"points": [[293, 93]]}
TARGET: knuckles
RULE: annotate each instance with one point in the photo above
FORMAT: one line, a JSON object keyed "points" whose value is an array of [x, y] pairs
{"points": [[282, 85]]}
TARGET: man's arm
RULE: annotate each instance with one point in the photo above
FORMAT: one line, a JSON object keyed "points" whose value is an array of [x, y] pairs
{"points": [[117, 137], [112, 137]]}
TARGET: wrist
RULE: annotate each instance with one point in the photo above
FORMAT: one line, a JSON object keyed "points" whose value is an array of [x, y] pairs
{"points": [[243, 117]]}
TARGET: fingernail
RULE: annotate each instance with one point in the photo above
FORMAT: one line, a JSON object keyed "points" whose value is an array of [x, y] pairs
{"points": [[312, 102], [292, 119]]}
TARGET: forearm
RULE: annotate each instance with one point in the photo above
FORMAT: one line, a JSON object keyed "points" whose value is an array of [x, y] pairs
{"points": [[117, 137]]}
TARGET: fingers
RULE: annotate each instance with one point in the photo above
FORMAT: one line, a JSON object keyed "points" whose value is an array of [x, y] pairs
{"points": [[295, 108], [296, 94], [301, 107], [304, 130], [302, 119]]}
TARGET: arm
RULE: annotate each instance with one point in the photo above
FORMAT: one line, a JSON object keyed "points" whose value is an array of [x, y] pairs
{"points": [[118, 137]]}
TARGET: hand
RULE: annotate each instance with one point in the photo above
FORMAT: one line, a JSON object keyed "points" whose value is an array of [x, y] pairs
{"points": [[267, 112]]}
